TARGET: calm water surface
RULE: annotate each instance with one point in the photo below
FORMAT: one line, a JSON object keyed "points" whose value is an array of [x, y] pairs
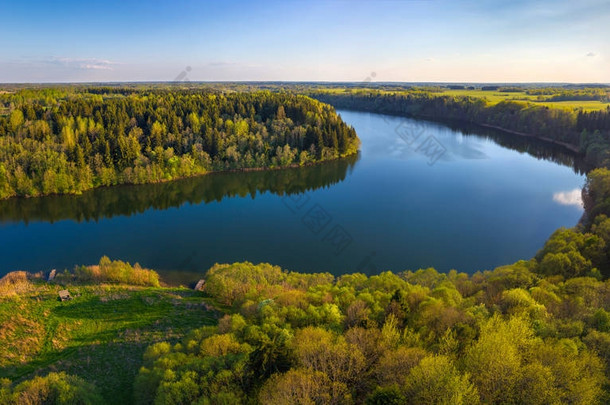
{"points": [[487, 200]]}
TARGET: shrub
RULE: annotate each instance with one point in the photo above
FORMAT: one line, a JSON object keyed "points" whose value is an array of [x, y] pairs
{"points": [[54, 388], [108, 271]]}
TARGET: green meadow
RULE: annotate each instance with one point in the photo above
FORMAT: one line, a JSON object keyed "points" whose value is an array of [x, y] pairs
{"points": [[494, 97], [100, 335]]}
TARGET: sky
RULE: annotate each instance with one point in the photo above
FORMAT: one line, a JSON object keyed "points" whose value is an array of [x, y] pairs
{"points": [[297, 40]]}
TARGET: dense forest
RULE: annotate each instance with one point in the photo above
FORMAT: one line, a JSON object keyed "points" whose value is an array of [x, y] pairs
{"points": [[59, 141], [506, 336], [586, 132], [565, 94]]}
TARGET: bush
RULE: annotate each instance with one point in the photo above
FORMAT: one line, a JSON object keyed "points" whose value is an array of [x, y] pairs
{"points": [[54, 388], [15, 282], [117, 271]]}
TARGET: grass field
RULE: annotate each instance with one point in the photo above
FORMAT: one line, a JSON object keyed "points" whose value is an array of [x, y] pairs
{"points": [[494, 97], [100, 335], [585, 105]]}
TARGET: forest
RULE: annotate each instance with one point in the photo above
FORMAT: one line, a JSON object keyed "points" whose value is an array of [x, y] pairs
{"points": [[68, 140]]}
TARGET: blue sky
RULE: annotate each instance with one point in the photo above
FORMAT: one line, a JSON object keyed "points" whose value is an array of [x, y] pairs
{"points": [[398, 40]]}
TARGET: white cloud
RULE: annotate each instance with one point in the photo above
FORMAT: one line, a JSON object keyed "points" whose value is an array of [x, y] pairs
{"points": [[573, 197], [81, 63], [223, 64], [96, 67], [591, 54]]}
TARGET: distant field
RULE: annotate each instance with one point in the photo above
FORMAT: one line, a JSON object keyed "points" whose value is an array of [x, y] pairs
{"points": [[495, 97], [492, 96], [573, 105]]}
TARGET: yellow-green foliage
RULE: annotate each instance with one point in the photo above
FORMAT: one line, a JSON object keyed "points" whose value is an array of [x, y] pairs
{"points": [[16, 282], [231, 283], [511, 335], [116, 271], [435, 380], [503, 336], [54, 388], [494, 97], [66, 144]]}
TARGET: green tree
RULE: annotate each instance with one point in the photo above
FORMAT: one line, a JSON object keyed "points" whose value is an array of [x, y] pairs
{"points": [[16, 119], [56, 388], [435, 380]]}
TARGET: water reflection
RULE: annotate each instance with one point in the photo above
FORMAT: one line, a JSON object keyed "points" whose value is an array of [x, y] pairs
{"points": [[572, 197], [404, 138], [532, 146], [128, 200]]}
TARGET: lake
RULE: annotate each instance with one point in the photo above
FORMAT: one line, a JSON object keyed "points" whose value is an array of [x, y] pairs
{"points": [[419, 194]]}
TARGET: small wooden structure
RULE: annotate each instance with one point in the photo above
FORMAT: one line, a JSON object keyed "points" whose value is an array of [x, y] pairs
{"points": [[200, 284], [52, 275], [64, 295]]}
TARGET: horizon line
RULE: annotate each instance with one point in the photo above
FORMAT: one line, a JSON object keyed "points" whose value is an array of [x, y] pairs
{"points": [[364, 83]]}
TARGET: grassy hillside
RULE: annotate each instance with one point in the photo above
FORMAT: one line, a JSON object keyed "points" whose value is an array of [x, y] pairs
{"points": [[100, 335]]}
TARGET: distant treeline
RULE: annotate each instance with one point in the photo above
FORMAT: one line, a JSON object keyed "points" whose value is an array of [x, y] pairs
{"points": [[581, 131], [58, 141], [510, 89]]}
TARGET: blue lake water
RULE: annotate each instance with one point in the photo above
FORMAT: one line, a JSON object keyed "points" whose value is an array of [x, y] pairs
{"points": [[418, 195]]}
